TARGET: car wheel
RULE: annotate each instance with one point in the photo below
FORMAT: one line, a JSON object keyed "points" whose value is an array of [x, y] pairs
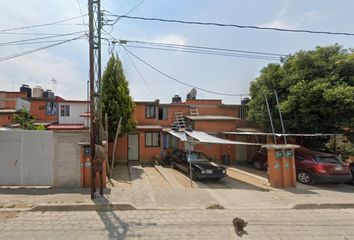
{"points": [[257, 164], [265, 166], [305, 177]]}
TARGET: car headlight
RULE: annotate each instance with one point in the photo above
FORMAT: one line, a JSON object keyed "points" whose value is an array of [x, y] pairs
{"points": [[203, 171], [224, 171]]}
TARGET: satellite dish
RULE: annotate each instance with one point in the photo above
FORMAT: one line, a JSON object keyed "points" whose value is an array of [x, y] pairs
{"points": [[192, 95]]}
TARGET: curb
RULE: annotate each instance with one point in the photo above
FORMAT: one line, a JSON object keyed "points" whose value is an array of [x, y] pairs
{"points": [[83, 207], [323, 206]]}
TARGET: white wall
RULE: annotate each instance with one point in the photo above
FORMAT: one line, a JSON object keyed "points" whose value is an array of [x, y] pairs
{"points": [[26, 158], [76, 109]]}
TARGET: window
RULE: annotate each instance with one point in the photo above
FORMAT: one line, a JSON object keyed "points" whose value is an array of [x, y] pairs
{"points": [[65, 110], [243, 112], [163, 113], [152, 139], [52, 108], [150, 111]]}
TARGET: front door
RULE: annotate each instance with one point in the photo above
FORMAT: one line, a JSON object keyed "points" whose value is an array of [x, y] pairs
{"points": [[133, 147], [241, 150]]}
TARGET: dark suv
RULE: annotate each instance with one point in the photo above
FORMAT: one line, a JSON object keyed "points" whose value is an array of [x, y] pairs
{"points": [[312, 166]]}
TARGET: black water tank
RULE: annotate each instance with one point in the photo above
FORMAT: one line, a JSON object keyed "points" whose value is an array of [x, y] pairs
{"points": [[176, 99], [245, 101], [48, 94], [25, 88]]}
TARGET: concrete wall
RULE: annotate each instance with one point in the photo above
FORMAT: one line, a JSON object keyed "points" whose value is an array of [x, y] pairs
{"points": [[40, 158], [66, 157], [26, 158], [76, 108]]}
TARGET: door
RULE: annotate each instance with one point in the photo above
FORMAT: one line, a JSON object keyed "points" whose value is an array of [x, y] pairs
{"points": [[241, 150], [133, 147]]}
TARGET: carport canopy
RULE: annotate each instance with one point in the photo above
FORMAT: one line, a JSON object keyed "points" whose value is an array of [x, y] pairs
{"points": [[202, 137]]}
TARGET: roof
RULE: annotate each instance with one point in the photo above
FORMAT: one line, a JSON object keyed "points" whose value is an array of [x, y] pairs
{"points": [[149, 127], [72, 101], [198, 137], [67, 127], [8, 110], [281, 134], [213, 118]]}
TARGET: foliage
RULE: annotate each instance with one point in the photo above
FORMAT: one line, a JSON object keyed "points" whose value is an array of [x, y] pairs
{"points": [[116, 99], [315, 90], [341, 145], [25, 119], [40, 127]]}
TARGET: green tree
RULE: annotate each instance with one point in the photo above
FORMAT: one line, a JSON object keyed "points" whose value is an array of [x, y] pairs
{"points": [[315, 90], [25, 119], [116, 99]]}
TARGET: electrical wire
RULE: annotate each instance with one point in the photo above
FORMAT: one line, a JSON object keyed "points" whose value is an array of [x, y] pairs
{"points": [[258, 57], [140, 75], [37, 49], [34, 42], [40, 25], [40, 38], [82, 15], [231, 25], [202, 47], [175, 79]]}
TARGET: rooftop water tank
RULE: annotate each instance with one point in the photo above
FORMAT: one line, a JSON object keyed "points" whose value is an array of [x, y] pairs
{"points": [[176, 99], [25, 88], [48, 94], [38, 92], [245, 101]]}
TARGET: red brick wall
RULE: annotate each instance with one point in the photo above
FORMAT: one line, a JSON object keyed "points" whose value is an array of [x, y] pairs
{"points": [[6, 119], [214, 126], [38, 110]]}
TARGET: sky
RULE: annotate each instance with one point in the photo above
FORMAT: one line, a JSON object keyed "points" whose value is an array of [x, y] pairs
{"points": [[68, 63]]}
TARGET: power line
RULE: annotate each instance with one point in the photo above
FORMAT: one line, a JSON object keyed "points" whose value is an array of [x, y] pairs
{"points": [[232, 25], [40, 25], [135, 7], [203, 47], [141, 76], [40, 38], [258, 57], [37, 49], [176, 80], [82, 15], [34, 42]]}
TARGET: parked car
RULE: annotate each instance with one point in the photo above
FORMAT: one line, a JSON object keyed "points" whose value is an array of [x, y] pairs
{"points": [[313, 167], [350, 162], [202, 167], [259, 160]]}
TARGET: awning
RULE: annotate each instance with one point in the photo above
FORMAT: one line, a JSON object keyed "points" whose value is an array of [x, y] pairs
{"points": [[203, 137], [280, 134]]}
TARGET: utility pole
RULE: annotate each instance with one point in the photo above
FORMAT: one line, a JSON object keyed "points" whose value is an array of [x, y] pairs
{"points": [[94, 10]]}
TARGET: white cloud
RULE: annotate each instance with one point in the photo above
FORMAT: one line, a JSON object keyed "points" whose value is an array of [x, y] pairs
{"points": [[171, 39], [283, 20]]}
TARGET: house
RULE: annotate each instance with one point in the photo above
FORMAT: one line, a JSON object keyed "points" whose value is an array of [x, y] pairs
{"points": [[155, 120], [72, 115], [10, 104]]}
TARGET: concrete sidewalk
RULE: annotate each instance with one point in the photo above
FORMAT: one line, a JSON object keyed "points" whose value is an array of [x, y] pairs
{"points": [[149, 188]]}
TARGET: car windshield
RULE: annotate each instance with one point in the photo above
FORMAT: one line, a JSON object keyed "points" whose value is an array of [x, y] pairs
{"points": [[198, 157], [326, 159]]}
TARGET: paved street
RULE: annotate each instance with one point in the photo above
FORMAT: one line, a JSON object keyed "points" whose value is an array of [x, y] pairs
{"points": [[178, 224]]}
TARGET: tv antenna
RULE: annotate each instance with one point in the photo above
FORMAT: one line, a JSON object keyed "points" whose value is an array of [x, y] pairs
{"points": [[55, 82]]}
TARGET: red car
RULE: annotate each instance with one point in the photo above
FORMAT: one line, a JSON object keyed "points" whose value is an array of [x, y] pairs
{"points": [[312, 166]]}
